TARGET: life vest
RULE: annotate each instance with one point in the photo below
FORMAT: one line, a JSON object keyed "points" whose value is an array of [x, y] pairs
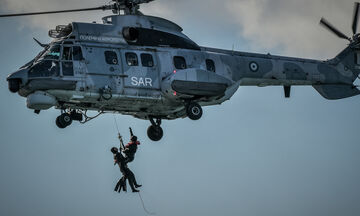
{"points": [[131, 147]]}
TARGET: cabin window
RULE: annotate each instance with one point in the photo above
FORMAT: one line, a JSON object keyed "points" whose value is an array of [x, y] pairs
{"points": [[210, 65], [132, 59], [67, 54], [147, 60], [77, 53], [111, 58], [179, 62]]}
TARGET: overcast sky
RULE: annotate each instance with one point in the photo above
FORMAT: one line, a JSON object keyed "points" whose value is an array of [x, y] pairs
{"points": [[257, 154]]}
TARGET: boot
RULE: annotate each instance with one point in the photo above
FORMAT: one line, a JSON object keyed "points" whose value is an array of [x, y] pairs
{"points": [[117, 186]]}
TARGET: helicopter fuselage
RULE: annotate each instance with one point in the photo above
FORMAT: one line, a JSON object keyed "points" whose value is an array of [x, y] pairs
{"points": [[146, 67]]}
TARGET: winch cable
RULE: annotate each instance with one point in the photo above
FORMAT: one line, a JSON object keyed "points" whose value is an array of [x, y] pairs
{"points": [[141, 199], [143, 205], [116, 124], [122, 147]]}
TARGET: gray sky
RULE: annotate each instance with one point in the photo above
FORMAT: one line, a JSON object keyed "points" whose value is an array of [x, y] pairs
{"points": [[257, 154]]}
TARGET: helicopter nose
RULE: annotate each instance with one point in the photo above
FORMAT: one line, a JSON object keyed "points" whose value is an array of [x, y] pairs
{"points": [[17, 79]]}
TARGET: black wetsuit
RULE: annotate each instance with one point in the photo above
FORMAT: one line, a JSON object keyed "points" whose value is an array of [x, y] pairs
{"points": [[127, 174], [130, 151]]}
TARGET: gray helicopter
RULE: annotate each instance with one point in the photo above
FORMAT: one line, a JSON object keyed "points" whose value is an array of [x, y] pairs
{"points": [[146, 67]]}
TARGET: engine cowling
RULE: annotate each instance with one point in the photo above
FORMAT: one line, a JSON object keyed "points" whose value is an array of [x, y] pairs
{"points": [[130, 34]]}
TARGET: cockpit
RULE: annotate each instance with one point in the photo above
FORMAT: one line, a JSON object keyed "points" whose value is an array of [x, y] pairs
{"points": [[56, 60]]}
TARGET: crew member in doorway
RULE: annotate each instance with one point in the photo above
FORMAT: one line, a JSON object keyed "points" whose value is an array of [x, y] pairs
{"points": [[131, 147], [127, 173]]}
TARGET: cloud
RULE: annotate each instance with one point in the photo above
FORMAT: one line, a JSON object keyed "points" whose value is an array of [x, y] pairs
{"points": [[288, 27], [291, 25]]}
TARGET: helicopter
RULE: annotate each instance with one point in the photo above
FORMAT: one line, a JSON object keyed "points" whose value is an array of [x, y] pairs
{"points": [[145, 66]]}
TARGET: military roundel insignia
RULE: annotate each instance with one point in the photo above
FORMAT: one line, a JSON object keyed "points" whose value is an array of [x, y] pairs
{"points": [[253, 66]]}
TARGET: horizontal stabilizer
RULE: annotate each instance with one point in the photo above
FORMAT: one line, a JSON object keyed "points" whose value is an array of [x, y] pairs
{"points": [[335, 92]]}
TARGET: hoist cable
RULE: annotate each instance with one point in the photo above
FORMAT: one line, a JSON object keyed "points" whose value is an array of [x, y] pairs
{"points": [[143, 205], [117, 126]]}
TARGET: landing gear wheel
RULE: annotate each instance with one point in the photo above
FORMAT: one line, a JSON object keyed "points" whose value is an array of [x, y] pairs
{"points": [[194, 111], [155, 133], [58, 123], [64, 120]]}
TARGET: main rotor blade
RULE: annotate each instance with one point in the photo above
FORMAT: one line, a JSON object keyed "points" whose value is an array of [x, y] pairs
{"points": [[332, 28], [55, 12], [355, 17]]}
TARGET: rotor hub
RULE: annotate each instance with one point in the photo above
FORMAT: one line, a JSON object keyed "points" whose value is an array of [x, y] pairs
{"points": [[130, 7]]}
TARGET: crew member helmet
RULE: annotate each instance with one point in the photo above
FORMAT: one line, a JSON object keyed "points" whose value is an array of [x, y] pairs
{"points": [[114, 150]]}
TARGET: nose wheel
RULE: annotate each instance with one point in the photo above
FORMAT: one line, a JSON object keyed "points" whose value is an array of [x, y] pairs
{"points": [[64, 120], [155, 132]]}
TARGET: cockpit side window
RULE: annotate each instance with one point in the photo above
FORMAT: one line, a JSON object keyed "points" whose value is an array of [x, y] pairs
{"points": [[67, 61], [111, 58], [77, 53], [67, 69], [180, 62], [67, 53], [131, 59]]}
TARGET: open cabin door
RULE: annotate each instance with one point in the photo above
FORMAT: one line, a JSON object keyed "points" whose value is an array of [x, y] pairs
{"points": [[73, 65], [72, 61]]}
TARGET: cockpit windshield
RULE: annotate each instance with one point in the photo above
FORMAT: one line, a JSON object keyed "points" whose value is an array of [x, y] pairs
{"points": [[46, 64], [45, 68], [53, 53]]}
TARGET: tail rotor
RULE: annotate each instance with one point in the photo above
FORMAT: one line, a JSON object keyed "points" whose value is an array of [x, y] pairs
{"points": [[340, 34], [356, 17]]}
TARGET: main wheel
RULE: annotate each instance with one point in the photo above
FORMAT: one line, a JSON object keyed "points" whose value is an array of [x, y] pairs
{"points": [[65, 119], [59, 124], [155, 133], [194, 111]]}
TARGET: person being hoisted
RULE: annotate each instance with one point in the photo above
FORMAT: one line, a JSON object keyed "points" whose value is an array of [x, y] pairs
{"points": [[122, 162], [131, 148], [127, 173]]}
